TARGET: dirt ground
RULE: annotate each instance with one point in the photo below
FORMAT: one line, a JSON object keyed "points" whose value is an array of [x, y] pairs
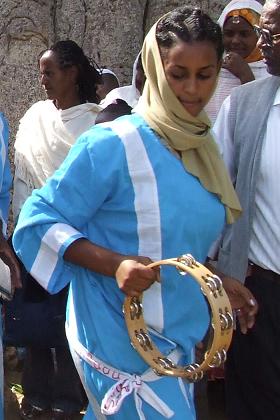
{"points": [[12, 376]]}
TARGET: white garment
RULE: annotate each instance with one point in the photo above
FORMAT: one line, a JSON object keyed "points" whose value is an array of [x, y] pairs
{"points": [[43, 140], [108, 71], [130, 94], [224, 138], [265, 237], [226, 82]]}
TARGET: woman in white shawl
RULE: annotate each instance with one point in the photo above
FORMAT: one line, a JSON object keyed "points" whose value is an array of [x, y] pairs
{"points": [[49, 128], [46, 133], [242, 62]]}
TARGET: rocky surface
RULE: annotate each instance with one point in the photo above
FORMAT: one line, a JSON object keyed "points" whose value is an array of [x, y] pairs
{"points": [[110, 31]]}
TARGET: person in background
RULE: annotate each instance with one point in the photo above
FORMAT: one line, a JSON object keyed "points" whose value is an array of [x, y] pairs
{"points": [[247, 130], [122, 100], [114, 110], [144, 187], [109, 81], [46, 134], [242, 61], [131, 93], [6, 253]]}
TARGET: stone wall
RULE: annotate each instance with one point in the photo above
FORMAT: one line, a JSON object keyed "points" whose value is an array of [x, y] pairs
{"points": [[110, 31]]}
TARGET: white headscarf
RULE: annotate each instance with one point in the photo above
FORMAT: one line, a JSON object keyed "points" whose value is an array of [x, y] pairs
{"points": [[108, 71], [239, 4]]}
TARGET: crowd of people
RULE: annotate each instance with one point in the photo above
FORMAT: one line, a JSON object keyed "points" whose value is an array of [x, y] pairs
{"points": [[109, 178]]}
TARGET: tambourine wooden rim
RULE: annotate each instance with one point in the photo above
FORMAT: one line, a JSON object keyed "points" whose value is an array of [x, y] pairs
{"points": [[221, 323]]}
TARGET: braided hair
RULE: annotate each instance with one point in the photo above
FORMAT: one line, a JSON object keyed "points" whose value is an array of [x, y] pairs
{"points": [[69, 54], [188, 25]]}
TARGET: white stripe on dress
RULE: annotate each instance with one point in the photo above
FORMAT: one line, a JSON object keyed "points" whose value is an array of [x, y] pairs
{"points": [[146, 204], [47, 257]]}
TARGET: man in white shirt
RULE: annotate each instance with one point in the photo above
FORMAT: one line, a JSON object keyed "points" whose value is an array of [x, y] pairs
{"points": [[247, 130]]}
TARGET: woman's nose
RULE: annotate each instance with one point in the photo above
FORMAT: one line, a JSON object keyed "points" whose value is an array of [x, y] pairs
{"points": [[190, 86], [235, 40], [42, 79]]}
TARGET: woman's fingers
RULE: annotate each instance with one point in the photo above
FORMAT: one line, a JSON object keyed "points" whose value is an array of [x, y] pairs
{"points": [[133, 277]]}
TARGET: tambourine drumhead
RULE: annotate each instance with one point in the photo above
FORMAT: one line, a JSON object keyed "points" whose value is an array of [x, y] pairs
{"points": [[221, 323]]}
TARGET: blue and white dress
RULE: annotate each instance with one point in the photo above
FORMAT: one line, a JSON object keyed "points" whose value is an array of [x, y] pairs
{"points": [[121, 188], [5, 185]]}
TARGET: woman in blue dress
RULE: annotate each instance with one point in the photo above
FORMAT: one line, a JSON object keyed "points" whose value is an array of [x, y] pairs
{"points": [[144, 187]]}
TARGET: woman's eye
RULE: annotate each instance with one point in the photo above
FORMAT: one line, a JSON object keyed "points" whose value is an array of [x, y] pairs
{"points": [[46, 73], [245, 34], [229, 34], [204, 76], [177, 76]]}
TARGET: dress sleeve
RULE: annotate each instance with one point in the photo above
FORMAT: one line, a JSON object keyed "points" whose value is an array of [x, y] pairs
{"points": [[6, 177], [59, 213]]}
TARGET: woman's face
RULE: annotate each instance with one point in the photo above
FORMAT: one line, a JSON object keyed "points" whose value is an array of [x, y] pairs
{"points": [[57, 83], [191, 70], [239, 37]]}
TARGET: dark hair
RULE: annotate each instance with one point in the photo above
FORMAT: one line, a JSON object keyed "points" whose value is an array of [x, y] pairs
{"points": [[69, 54], [188, 25], [139, 65], [113, 111]]}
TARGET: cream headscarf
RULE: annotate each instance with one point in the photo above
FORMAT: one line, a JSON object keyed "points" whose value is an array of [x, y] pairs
{"points": [[186, 134]]}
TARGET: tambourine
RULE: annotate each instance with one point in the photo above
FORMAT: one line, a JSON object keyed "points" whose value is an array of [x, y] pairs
{"points": [[221, 323]]}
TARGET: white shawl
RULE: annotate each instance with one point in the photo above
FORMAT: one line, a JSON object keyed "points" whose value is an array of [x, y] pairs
{"points": [[43, 140], [226, 82]]}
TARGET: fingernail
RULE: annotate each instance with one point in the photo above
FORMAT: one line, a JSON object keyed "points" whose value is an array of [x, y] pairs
{"points": [[252, 302]]}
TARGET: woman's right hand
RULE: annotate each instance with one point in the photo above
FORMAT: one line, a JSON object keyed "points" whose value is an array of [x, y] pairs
{"points": [[8, 256], [133, 276], [234, 63], [242, 301]]}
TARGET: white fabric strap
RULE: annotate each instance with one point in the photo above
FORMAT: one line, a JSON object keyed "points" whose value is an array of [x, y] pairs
{"points": [[126, 384]]}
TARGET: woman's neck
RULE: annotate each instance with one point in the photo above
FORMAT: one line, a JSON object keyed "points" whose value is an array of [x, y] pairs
{"points": [[67, 102]]}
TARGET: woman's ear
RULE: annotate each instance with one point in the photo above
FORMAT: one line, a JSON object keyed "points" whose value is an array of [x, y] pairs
{"points": [[73, 74]]}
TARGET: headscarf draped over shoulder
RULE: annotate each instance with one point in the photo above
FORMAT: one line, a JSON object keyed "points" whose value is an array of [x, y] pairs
{"points": [[250, 10], [188, 135]]}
